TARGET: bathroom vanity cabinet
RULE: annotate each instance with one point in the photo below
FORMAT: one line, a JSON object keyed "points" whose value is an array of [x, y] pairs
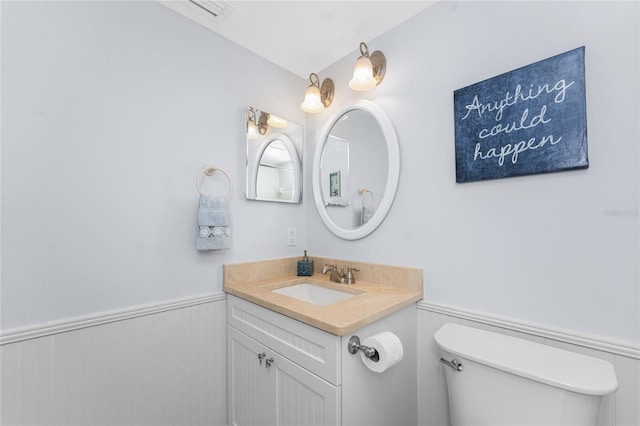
{"points": [[285, 372], [267, 388]]}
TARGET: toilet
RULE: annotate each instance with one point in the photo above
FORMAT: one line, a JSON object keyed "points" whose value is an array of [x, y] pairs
{"points": [[495, 379]]}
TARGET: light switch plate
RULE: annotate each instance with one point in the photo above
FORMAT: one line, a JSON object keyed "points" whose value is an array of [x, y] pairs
{"points": [[291, 237]]}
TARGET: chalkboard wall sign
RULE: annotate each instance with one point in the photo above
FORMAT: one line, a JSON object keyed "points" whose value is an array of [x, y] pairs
{"points": [[529, 120]]}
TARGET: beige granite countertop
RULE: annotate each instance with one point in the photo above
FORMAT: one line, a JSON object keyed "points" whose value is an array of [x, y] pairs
{"points": [[398, 288]]}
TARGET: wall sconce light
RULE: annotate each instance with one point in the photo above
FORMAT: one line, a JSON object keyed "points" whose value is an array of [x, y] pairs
{"points": [[275, 121], [317, 97], [369, 70], [256, 125]]}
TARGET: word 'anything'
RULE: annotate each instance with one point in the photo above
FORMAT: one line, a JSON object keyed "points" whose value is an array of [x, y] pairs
{"points": [[519, 95]]}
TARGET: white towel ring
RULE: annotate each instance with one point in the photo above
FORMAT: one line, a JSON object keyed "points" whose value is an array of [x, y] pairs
{"points": [[209, 170]]}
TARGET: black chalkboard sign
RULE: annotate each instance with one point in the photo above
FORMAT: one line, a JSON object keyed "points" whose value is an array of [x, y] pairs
{"points": [[529, 120]]}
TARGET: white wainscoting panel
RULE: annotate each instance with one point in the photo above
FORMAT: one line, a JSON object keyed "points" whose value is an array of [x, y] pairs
{"points": [[161, 365], [619, 409]]}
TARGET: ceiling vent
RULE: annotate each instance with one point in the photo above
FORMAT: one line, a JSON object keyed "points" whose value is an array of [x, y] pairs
{"points": [[219, 10], [209, 13]]}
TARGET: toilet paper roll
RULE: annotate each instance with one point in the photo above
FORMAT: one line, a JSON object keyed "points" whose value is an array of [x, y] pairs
{"points": [[389, 349]]}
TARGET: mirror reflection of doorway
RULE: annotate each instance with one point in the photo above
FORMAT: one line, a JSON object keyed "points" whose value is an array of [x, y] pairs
{"points": [[275, 179], [335, 171]]}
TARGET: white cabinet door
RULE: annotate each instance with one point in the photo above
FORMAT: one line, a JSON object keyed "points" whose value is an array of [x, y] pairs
{"points": [[266, 388], [248, 381], [300, 398]]}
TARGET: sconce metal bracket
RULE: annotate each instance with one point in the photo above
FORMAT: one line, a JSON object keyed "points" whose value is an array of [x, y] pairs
{"points": [[379, 64], [327, 90]]}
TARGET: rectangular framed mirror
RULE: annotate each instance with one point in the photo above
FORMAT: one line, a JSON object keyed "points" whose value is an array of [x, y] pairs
{"points": [[274, 158]]}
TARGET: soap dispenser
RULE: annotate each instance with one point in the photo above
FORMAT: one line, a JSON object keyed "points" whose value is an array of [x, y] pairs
{"points": [[305, 266]]}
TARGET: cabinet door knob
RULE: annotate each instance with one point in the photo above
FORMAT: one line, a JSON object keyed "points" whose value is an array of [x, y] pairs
{"points": [[268, 362], [261, 356]]}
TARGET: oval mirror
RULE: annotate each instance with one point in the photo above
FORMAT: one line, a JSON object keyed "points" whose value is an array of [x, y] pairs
{"points": [[356, 170], [273, 160]]}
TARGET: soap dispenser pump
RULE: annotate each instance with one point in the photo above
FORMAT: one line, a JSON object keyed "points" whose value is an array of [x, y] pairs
{"points": [[305, 266]]}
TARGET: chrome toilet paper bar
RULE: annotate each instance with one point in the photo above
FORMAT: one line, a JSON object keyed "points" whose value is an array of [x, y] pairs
{"points": [[354, 346]]}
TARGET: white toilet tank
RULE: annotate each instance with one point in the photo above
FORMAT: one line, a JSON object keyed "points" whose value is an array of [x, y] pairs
{"points": [[509, 381]]}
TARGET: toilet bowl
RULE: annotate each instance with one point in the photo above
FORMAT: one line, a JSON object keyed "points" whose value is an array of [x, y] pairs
{"points": [[495, 379]]}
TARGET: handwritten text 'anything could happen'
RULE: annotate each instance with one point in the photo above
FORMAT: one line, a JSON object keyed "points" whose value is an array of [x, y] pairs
{"points": [[527, 120]]}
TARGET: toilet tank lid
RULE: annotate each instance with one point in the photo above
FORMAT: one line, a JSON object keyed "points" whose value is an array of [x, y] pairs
{"points": [[556, 367]]}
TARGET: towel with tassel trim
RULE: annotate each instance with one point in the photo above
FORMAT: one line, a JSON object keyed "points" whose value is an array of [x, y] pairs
{"points": [[214, 223]]}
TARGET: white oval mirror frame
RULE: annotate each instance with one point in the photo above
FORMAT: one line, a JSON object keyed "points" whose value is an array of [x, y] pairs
{"points": [[393, 173]]}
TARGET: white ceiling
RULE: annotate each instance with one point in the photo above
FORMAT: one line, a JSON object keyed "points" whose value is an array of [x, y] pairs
{"points": [[301, 36]]}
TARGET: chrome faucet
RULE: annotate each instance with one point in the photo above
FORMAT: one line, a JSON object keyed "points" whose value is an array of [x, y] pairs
{"points": [[340, 276], [335, 275]]}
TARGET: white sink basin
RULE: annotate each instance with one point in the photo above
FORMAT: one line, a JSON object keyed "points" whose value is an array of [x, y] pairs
{"points": [[315, 294]]}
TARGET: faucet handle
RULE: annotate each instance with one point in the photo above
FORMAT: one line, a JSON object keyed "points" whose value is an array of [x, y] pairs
{"points": [[350, 278]]}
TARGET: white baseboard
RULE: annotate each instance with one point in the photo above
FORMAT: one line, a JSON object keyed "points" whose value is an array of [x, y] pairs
{"points": [[599, 343], [69, 324]]}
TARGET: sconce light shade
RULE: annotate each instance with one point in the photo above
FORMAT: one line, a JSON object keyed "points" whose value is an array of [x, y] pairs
{"points": [[276, 121], [369, 70], [316, 97], [363, 75], [312, 101], [252, 132]]}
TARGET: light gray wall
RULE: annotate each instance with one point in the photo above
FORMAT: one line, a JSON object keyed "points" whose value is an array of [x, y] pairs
{"points": [[109, 111], [559, 249]]}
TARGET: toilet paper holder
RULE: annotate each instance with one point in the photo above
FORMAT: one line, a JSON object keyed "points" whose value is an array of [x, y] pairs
{"points": [[354, 346]]}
